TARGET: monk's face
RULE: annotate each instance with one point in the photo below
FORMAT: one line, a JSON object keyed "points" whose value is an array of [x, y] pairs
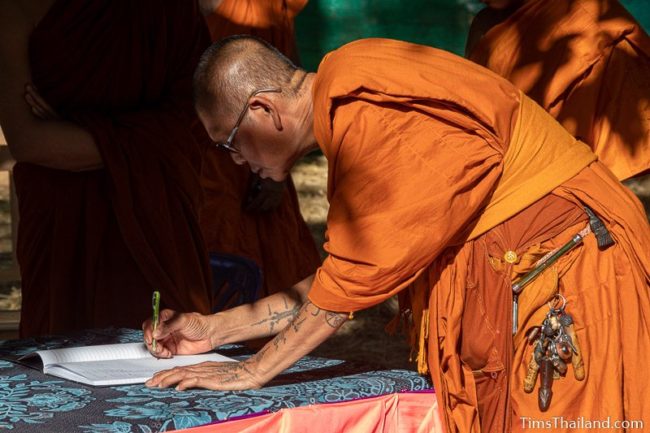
{"points": [[262, 140]]}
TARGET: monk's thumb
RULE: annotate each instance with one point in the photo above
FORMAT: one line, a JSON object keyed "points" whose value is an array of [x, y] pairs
{"points": [[170, 324]]}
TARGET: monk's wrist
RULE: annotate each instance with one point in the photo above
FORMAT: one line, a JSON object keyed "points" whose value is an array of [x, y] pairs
{"points": [[218, 332], [225, 328]]}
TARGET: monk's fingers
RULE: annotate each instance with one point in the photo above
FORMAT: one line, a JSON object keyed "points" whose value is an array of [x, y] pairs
{"points": [[147, 325], [147, 331], [214, 382], [35, 100], [169, 321], [35, 108], [210, 375], [39, 111], [167, 314], [164, 349], [166, 378], [188, 382]]}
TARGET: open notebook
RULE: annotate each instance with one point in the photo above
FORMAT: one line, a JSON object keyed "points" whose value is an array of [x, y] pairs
{"points": [[109, 364]]}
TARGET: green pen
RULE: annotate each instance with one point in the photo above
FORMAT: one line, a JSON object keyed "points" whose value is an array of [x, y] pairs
{"points": [[155, 303]]}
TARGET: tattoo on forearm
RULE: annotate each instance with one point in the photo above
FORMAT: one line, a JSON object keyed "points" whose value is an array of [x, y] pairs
{"points": [[275, 317], [315, 311], [279, 339], [260, 354], [297, 322], [334, 319]]}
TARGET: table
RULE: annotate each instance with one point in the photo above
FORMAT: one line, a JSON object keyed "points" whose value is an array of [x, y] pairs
{"points": [[313, 389]]}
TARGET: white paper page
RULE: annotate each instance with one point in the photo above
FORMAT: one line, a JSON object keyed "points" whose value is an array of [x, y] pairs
{"points": [[126, 371], [94, 353]]}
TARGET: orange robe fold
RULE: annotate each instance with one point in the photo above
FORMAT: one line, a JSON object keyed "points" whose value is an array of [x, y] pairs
{"points": [[437, 168], [587, 62], [279, 241], [94, 245]]}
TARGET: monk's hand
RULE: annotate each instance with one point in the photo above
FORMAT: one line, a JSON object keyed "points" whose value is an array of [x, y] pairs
{"points": [[40, 108], [220, 376], [180, 334], [264, 194]]}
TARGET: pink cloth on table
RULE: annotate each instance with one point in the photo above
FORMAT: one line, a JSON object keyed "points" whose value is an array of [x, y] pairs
{"points": [[415, 412]]}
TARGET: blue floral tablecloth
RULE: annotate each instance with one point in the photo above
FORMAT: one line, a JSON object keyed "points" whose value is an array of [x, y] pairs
{"points": [[33, 402]]}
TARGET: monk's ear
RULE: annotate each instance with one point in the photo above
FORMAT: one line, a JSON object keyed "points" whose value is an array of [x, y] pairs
{"points": [[270, 106]]}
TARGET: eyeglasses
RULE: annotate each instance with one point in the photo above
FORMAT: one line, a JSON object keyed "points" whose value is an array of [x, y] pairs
{"points": [[227, 145]]}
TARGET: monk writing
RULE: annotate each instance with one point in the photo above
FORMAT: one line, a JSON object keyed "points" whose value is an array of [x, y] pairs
{"points": [[586, 62], [446, 185], [95, 103]]}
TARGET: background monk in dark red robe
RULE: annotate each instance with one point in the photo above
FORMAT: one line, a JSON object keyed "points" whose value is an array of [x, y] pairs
{"points": [[108, 170], [244, 215]]}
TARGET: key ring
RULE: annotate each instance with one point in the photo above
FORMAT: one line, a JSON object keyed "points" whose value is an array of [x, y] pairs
{"points": [[557, 297]]}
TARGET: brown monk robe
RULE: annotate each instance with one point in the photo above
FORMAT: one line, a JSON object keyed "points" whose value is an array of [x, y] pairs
{"points": [[278, 240], [94, 244], [446, 183], [587, 62]]}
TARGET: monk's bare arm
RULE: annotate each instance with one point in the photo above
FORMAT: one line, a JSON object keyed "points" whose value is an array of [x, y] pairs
{"points": [[264, 318], [191, 333], [308, 330], [50, 143], [310, 327]]}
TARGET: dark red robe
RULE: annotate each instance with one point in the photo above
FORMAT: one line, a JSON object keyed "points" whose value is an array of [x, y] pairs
{"points": [[92, 246]]}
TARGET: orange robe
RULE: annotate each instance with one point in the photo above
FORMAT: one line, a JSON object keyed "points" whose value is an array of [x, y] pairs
{"points": [[271, 20], [587, 62], [93, 245], [279, 241], [437, 168]]}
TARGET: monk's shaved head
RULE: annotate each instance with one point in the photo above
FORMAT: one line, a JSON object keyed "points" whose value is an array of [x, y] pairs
{"points": [[236, 66]]}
